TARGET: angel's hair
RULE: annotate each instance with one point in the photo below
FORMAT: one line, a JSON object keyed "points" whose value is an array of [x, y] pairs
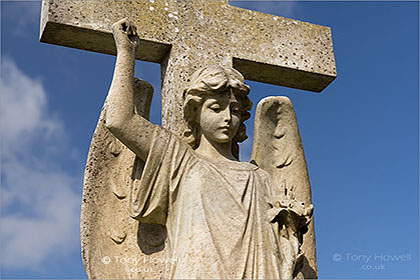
{"points": [[209, 81]]}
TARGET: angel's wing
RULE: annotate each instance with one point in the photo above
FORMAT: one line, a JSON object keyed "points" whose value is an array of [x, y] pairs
{"points": [[278, 149], [115, 246]]}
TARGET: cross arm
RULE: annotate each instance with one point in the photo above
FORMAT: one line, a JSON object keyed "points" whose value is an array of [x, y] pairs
{"points": [[281, 51], [65, 23]]}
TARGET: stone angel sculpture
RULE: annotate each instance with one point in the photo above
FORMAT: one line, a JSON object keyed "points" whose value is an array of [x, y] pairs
{"points": [[156, 205]]}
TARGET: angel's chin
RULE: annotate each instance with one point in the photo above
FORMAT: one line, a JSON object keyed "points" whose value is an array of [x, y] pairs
{"points": [[221, 139]]}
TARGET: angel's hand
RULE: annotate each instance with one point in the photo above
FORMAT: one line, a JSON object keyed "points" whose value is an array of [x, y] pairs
{"points": [[125, 35]]}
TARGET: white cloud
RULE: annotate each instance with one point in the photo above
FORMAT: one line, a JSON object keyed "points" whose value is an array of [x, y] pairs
{"points": [[24, 15], [24, 110], [40, 217]]}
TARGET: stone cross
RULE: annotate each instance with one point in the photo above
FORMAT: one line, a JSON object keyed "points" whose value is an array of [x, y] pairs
{"points": [[185, 35]]}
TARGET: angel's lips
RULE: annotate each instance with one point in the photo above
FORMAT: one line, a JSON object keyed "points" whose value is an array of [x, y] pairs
{"points": [[225, 128]]}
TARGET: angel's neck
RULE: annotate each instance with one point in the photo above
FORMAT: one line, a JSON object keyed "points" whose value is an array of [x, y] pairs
{"points": [[215, 151]]}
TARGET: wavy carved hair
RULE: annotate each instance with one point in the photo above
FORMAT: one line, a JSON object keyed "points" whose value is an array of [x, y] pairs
{"points": [[210, 81]]}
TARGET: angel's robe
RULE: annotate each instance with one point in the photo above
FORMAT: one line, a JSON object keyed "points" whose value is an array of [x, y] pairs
{"points": [[215, 213]]}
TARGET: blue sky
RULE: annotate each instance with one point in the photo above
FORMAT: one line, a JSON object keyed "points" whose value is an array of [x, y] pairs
{"points": [[361, 139]]}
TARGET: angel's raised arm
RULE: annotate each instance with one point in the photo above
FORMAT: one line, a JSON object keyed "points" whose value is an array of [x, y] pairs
{"points": [[130, 128]]}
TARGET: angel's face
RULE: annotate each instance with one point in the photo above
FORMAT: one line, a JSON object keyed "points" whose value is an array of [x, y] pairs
{"points": [[220, 117]]}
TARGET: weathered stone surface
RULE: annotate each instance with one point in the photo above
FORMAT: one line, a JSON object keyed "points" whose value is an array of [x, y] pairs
{"points": [[111, 240], [224, 219], [276, 133], [186, 35]]}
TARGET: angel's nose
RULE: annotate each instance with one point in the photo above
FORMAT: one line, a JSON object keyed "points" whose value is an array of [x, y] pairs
{"points": [[227, 115]]}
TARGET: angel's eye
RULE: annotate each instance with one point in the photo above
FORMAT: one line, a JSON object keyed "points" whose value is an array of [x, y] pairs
{"points": [[215, 108], [236, 110]]}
